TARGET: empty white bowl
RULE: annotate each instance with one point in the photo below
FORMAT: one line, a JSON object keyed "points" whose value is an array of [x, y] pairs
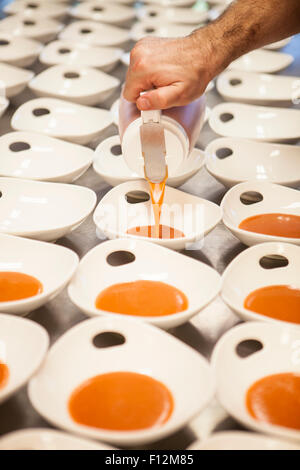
{"points": [[45, 211], [233, 160], [144, 261], [96, 34], [146, 350], [194, 216], [254, 88], [13, 80], [252, 269], [47, 439], [80, 54], [265, 124], [58, 118], [76, 83], [102, 11], [37, 9], [35, 156], [179, 15], [279, 354], [241, 440], [19, 51], [111, 166], [267, 198], [51, 264], [262, 61], [40, 29], [24, 344], [155, 28], [4, 103]]}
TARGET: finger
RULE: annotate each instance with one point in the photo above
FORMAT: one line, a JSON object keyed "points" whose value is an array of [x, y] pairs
{"points": [[161, 98]]}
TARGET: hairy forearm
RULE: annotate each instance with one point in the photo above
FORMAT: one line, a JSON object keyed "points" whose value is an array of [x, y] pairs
{"points": [[247, 25]]}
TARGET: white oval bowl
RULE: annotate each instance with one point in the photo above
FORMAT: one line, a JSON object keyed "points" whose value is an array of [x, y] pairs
{"points": [[44, 9], [69, 121], [52, 265], [46, 159], [98, 34], [147, 350], [280, 353], [95, 274], [110, 13], [253, 161], [44, 211], [245, 274], [262, 61], [194, 216], [18, 51], [68, 52], [255, 88], [40, 29], [264, 124], [24, 344], [75, 83], [276, 199]]}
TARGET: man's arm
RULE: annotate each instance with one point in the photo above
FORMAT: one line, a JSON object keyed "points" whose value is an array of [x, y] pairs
{"points": [[179, 70]]}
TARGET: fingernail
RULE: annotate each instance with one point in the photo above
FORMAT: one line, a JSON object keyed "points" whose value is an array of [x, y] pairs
{"points": [[144, 104]]}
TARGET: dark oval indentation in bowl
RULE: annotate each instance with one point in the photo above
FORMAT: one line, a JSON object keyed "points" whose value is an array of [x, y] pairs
{"points": [[71, 75], [226, 117], [116, 150], [273, 261], [108, 339], [32, 5], [85, 31], [40, 112], [248, 347], [235, 81], [28, 23], [19, 146], [224, 152], [64, 50], [149, 30], [251, 197], [135, 197], [119, 258], [98, 9], [4, 42]]}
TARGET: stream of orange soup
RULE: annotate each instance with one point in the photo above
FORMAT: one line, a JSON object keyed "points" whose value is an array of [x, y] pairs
{"points": [[4, 374], [279, 225], [17, 286], [121, 401], [275, 399], [157, 193], [280, 302], [142, 298]]}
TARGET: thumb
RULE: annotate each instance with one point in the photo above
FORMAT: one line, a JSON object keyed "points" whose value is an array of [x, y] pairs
{"points": [[160, 98]]}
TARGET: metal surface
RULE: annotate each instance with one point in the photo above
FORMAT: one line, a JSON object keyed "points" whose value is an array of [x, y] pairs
{"points": [[219, 248]]}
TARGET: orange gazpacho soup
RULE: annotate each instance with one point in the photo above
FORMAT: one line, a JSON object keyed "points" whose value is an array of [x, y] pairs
{"points": [[280, 302], [17, 286], [142, 298], [279, 225], [275, 399], [121, 401]]}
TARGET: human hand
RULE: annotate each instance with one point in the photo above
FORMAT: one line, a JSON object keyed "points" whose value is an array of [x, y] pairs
{"points": [[176, 71]]}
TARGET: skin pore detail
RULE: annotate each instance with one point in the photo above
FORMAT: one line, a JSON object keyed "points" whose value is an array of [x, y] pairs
{"points": [[189, 63]]}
